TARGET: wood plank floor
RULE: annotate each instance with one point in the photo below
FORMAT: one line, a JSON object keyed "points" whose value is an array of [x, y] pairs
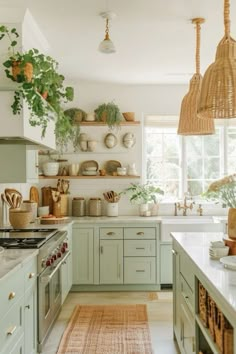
{"points": [[159, 306]]}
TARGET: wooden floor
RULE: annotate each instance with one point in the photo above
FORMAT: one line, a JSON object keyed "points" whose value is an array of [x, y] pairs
{"points": [[159, 307]]}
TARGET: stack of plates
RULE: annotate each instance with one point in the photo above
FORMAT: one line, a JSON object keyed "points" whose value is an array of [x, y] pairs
{"points": [[218, 250], [90, 171], [229, 262]]}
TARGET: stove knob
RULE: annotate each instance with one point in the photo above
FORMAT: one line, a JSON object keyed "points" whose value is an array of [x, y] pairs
{"points": [[65, 244], [54, 257], [58, 254], [48, 262], [63, 250], [43, 263]]}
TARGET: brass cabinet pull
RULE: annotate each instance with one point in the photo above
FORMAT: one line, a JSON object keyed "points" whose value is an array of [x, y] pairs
{"points": [[140, 271], [11, 295], [174, 252], [140, 248], [140, 233], [27, 307], [11, 331], [31, 275], [110, 233]]}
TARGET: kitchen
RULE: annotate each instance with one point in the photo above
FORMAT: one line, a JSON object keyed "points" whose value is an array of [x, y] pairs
{"points": [[144, 97]]}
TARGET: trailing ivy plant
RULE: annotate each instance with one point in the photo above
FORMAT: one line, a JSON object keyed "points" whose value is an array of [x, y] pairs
{"points": [[109, 113], [46, 82]]}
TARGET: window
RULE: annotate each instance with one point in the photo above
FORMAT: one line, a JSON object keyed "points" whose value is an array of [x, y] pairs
{"points": [[180, 164]]}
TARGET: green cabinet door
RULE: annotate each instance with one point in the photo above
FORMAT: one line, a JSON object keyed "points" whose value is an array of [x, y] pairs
{"points": [[166, 263], [82, 255], [111, 261]]}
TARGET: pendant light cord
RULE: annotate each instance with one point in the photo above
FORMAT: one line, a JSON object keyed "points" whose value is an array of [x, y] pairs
{"points": [[226, 18], [107, 30]]}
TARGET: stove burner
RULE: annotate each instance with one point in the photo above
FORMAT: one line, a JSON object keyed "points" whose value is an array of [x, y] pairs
{"points": [[22, 243]]}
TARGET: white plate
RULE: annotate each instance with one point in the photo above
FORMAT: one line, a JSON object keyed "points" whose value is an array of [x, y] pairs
{"points": [[229, 262], [89, 173]]}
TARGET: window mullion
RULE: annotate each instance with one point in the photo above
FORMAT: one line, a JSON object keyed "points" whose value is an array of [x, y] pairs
{"points": [[183, 164]]}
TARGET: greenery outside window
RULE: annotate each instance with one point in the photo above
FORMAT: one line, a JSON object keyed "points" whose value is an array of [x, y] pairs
{"points": [[186, 164]]}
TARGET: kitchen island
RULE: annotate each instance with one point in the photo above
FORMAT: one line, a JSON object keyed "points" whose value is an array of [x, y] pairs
{"points": [[204, 296]]}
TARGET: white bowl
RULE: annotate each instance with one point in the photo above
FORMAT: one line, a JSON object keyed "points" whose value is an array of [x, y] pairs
{"points": [[217, 253], [92, 168], [50, 168], [121, 171], [44, 210]]}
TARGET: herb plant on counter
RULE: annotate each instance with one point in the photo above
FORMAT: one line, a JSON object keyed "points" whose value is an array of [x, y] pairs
{"points": [[223, 191], [143, 193]]}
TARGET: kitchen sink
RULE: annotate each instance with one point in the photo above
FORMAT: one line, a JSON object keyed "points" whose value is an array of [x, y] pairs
{"points": [[188, 224]]}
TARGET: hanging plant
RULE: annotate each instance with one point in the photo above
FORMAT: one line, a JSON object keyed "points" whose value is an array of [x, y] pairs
{"points": [[109, 113], [43, 89]]}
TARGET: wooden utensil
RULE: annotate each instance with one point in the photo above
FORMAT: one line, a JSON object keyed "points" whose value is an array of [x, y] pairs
{"points": [[34, 195]]}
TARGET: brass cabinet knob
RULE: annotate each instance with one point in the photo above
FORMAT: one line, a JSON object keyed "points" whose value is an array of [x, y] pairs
{"points": [[11, 295], [140, 233], [11, 330], [31, 275]]}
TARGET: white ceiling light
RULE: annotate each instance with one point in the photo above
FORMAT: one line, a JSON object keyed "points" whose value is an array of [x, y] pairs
{"points": [[107, 46]]}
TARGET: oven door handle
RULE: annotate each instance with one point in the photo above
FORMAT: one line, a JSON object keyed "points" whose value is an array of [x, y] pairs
{"points": [[47, 278]]}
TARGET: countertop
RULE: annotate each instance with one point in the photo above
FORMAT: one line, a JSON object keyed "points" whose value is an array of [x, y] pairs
{"points": [[197, 247], [12, 260]]}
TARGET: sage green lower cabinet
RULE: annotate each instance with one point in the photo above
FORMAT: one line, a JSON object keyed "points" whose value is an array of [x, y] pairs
{"points": [[139, 270], [66, 268], [111, 261], [83, 255], [30, 313], [166, 276]]}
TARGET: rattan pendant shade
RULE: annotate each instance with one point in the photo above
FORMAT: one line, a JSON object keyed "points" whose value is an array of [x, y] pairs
{"points": [[189, 123], [218, 93]]}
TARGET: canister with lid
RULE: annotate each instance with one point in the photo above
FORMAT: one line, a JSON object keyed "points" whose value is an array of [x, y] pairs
{"points": [[78, 206], [95, 207]]}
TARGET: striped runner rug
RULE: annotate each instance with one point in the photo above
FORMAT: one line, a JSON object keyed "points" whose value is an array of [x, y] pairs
{"points": [[107, 329]]}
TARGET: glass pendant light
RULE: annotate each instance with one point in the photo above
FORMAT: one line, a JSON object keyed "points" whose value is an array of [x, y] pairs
{"points": [[107, 46], [218, 93], [189, 123]]}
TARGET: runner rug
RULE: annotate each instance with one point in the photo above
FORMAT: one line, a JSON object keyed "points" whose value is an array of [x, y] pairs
{"points": [[107, 329]]}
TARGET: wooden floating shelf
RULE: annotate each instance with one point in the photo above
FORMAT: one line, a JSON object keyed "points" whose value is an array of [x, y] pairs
{"points": [[95, 124], [86, 177]]}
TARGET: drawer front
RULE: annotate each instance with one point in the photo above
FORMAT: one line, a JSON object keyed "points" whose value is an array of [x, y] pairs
{"points": [[30, 274], [141, 233], [12, 289], [186, 269], [139, 248], [11, 326], [109, 233], [187, 294], [139, 270]]}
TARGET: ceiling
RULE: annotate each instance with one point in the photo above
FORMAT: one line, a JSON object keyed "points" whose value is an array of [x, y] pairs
{"points": [[155, 39]]}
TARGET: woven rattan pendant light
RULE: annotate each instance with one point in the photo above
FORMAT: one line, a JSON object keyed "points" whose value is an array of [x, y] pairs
{"points": [[189, 123], [218, 93]]}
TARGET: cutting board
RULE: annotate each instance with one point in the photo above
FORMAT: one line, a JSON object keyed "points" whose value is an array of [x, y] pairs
{"points": [[34, 195], [54, 220]]}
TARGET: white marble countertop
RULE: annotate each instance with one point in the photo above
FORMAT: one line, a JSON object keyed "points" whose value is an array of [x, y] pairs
{"points": [[116, 219], [197, 247], [12, 260]]}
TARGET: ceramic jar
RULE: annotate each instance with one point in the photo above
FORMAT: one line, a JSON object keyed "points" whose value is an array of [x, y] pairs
{"points": [[51, 168], [78, 206], [95, 207], [73, 169], [112, 209]]}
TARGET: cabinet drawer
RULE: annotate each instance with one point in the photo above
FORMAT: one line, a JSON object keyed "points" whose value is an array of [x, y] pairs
{"points": [[12, 289], [186, 269], [30, 274], [139, 270], [187, 294], [115, 233], [139, 233], [140, 248], [11, 326]]}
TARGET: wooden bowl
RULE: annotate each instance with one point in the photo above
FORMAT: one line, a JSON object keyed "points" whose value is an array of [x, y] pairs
{"points": [[19, 219], [232, 245], [129, 116]]}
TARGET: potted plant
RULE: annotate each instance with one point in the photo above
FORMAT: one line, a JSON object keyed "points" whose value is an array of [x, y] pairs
{"points": [[109, 113], [43, 89], [143, 194]]}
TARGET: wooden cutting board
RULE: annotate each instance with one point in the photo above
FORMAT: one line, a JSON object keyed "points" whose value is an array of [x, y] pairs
{"points": [[54, 220], [34, 195]]}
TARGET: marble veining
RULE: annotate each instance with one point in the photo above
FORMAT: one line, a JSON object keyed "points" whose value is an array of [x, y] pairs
{"points": [[196, 245], [12, 260]]}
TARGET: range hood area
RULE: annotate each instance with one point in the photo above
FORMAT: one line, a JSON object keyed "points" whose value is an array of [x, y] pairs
{"points": [[16, 129]]}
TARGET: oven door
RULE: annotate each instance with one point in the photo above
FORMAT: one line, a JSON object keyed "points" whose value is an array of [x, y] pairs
{"points": [[49, 299]]}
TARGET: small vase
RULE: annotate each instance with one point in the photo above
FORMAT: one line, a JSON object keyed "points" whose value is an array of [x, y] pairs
{"points": [[143, 209], [112, 209], [232, 223]]}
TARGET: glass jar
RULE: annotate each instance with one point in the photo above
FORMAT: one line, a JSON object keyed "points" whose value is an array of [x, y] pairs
{"points": [[95, 207], [78, 206]]}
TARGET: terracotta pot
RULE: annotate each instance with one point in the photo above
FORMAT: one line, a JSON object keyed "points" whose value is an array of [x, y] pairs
{"points": [[27, 70], [232, 223], [44, 94]]}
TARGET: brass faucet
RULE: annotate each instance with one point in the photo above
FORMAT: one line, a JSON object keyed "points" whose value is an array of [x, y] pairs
{"points": [[200, 209], [185, 207]]}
